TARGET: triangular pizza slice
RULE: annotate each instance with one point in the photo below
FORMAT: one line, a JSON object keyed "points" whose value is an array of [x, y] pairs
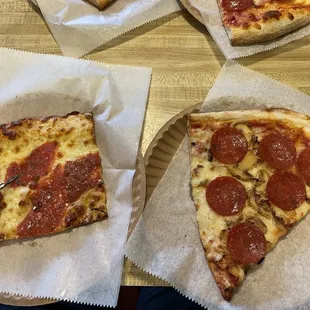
{"points": [[250, 177], [256, 21]]}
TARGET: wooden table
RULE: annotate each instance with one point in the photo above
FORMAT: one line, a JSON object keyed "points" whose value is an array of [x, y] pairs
{"points": [[185, 62]]}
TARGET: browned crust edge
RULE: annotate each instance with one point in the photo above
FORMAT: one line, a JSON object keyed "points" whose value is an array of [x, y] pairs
{"points": [[270, 30]]}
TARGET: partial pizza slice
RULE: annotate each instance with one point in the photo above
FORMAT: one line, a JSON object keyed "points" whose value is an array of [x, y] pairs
{"points": [[59, 176], [101, 4], [258, 21], [250, 181]]}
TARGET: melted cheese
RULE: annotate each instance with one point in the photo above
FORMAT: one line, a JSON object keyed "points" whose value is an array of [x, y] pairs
{"points": [[75, 137]]}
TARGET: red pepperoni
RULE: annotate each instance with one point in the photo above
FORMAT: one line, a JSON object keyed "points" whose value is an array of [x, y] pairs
{"points": [[278, 151], [303, 164], [246, 243], [237, 5], [33, 167], [53, 194], [229, 145], [286, 190], [226, 196]]}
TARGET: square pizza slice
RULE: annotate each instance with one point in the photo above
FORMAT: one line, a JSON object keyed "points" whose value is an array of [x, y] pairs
{"points": [[58, 174]]}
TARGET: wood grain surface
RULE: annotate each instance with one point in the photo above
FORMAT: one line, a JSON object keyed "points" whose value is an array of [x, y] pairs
{"points": [[185, 62]]}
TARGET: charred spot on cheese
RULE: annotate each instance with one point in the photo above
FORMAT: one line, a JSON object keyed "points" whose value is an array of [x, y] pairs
{"points": [[272, 14], [96, 198], [290, 16], [22, 203], [74, 213], [69, 130], [8, 133]]}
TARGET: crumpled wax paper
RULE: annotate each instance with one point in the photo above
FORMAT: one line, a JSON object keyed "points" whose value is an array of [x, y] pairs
{"points": [[79, 27], [85, 264]]}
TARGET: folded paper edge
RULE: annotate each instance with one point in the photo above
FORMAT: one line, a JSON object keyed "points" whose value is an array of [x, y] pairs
{"points": [[54, 300], [130, 29], [76, 59], [126, 30], [232, 62], [179, 290]]}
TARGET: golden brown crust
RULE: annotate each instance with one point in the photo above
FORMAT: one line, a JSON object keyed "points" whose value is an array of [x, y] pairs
{"points": [[247, 115], [271, 29], [101, 4]]}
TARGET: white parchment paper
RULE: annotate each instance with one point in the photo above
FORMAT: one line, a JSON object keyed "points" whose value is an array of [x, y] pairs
{"points": [[83, 265], [211, 16], [166, 242], [79, 27]]}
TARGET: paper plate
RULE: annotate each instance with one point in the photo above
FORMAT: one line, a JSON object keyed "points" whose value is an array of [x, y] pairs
{"points": [[191, 10], [163, 147], [138, 192]]}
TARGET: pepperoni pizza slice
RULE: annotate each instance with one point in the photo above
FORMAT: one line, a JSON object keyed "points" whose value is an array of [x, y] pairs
{"points": [[101, 4], [257, 21], [250, 180], [59, 180]]}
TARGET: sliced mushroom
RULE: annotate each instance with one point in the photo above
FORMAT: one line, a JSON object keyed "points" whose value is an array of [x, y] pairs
{"points": [[246, 131], [260, 190], [239, 174], [248, 161], [263, 175], [259, 223]]}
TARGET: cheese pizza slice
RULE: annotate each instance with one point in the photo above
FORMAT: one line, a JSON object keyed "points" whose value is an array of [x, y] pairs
{"points": [[250, 180], [257, 21], [58, 174], [101, 4]]}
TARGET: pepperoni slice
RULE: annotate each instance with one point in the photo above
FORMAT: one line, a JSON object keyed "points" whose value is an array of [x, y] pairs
{"points": [[229, 145], [236, 5], [278, 151], [246, 243], [286, 190], [226, 196], [303, 164]]}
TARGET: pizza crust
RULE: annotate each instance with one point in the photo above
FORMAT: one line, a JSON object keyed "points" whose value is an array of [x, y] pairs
{"points": [[270, 30], [101, 4], [247, 115]]}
